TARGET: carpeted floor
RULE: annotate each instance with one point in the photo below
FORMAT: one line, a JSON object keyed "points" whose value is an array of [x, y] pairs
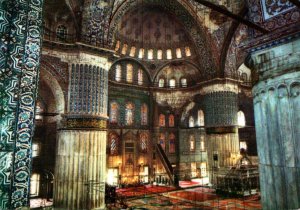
{"points": [[192, 199], [143, 190]]}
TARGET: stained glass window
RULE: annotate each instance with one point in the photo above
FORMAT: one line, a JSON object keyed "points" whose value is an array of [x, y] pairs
{"points": [[34, 184], [159, 54], [124, 49], [171, 120], [169, 54], [161, 83], [162, 141], [144, 114], [129, 115], [140, 77], [129, 75], [118, 73], [171, 143], [132, 51], [113, 144], [183, 82], [200, 118], [162, 120], [178, 53], [192, 143], [191, 122], [172, 83], [117, 46], [114, 112], [143, 142], [241, 119], [150, 54], [188, 51], [141, 53]]}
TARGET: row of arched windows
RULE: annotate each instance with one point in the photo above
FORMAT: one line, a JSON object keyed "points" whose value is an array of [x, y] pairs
{"points": [[114, 143], [162, 120], [129, 113], [163, 143], [129, 74], [200, 119], [172, 83], [151, 54]]}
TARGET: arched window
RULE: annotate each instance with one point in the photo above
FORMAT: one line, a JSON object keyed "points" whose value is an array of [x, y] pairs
{"points": [[169, 54], [150, 54], [129, 114], [140, 77], [191, 122], [141, 53], [118, 73], [161, 83], [159, 54], [129, 73], [178, 53], [203, 169], [39, 110], [114, 112], [117, 46], [144, 142], [124, 49], [200, 118], [35, 149], [183, 82], [162, 120], [144, 114], [34, 184], [202, 143], [241, 119], [113, 144], [171, 143], [61, 33], [188, 51], [171, 120], [192, 143], [132, 51], [162, 141], [172, 83]]}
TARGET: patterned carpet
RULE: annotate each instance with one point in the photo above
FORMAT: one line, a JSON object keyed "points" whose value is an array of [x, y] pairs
{"points": [[192, 199], [143, 190]]}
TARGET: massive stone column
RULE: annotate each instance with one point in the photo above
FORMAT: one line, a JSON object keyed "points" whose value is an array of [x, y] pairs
{"points": [[20, 40], [277, 122], [81, 153], [220, 108]]}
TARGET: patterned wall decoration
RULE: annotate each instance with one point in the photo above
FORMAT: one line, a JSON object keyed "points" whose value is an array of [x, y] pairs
{"points": [[19, 57], [275, 17], [220, 109], [274, 8], [88, 90], [96, 22]]}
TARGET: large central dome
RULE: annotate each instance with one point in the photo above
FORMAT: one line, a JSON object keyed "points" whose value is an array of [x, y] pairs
{"points": [[151, 27]]}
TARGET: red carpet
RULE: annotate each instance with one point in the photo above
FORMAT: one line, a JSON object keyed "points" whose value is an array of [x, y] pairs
{"points": [[193, 196], [143, 190]]}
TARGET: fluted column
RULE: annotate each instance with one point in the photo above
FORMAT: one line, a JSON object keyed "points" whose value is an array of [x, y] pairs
{"points": [[81, 153], [277, 121], [220, 108]]}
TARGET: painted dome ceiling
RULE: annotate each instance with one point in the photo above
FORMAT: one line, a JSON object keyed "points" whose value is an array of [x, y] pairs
{"points": [[152, 27]]}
